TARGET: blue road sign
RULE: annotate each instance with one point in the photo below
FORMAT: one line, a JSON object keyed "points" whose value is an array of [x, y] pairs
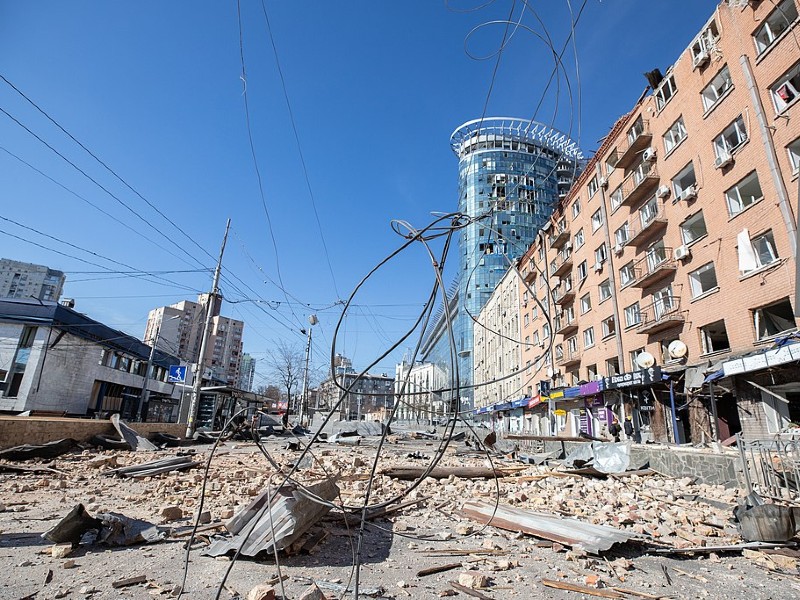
{"points": [[177, 374]]}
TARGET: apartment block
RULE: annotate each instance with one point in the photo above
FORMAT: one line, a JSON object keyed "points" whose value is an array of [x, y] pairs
{"points": [[178, 328], [26, 280], [671, 261]]}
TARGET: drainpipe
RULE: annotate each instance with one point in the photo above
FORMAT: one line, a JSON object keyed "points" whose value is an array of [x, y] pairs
{"points": [[772, 158], [612, 282]]}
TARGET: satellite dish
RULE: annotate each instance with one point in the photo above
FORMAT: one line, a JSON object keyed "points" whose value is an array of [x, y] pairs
{"points": [[549, 371], [677, 349], [645, 360]]}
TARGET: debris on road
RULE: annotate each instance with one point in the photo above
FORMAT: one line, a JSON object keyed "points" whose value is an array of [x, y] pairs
{"points": [[31, 451], [134, 440], [148, 469]]}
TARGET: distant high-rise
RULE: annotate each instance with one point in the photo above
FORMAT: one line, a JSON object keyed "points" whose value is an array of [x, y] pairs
{"points": [[26, 280], [247, 372], [178, 329], [511, 174]]}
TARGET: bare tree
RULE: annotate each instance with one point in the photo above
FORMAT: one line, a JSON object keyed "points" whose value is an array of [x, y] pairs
{"points": [[286, 365]]}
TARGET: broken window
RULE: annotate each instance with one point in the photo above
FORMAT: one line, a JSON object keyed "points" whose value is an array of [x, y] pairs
{"points": [[703, 280], [674, 135], [666, 90], [715, 90], [755, 253], [714, 337], [733, 136], [774, 319], [693, 228], [743, 194], [778, 21], [787, 89]]}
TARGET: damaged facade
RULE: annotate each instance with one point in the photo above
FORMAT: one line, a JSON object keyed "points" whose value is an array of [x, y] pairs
{"points": [[672, 256]]}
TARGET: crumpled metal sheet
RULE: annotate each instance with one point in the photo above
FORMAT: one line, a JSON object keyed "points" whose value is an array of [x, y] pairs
{"points": [[570, 532], [606, 457]]}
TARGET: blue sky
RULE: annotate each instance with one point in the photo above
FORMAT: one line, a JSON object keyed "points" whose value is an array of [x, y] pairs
{"points": [[155, 90]]}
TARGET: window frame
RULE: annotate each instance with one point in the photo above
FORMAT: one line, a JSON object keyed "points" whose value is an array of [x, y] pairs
{"points": [[673, 137], [721, 85], [742, 206], [768, 26], [696, 277], [688, 223], [790, 80]]}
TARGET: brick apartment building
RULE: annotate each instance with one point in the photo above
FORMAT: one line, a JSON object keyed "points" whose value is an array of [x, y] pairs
{"points": [[665, 278]]}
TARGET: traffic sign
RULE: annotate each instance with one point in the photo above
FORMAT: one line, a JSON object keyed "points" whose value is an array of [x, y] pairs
{"points": [[177, 374]]}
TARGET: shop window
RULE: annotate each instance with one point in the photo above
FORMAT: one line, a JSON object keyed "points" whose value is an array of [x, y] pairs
{"points": [[774, 319], [714, 337]]}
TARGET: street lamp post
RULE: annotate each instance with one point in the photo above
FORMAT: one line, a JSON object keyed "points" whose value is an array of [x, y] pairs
{"points": [[312, 320]]}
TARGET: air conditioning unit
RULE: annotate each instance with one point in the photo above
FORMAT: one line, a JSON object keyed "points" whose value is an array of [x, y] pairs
{"points": [[618, 249], [690, 193], [699, 59], [649, 154], [568, 245], [682, 252], [663, 191], [723, 160], [598, 266], [603, 182]]}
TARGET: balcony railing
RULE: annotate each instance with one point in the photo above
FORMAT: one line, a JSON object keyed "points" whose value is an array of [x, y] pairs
{"points": [[657, 265], [564, 291], [569, 357], [565, 328], [562, 263], [650, 221], [661, 314], [637, 140], [639, 183]]}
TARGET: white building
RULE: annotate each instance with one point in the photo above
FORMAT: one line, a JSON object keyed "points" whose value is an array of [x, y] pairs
{"points": [[420, 391], [178, 329], [55, 359], [26, 280]]}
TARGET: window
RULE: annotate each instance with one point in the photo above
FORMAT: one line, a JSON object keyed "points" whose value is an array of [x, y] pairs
{"points": [[704, 43], [756, 253], [576, 208], [674, 135], [609, 326], [579, 239], [774, 319], [593, 186], [632, 315], [666, 90], [794, 155], [703, 280], [626, 274], [545, 331], [597, 220], [616, 198], [591, 372], [774, 25], [604, 290], [536, 337], [733, 136], [714, 337], [744, 194], [583, 270], [635, 130], [693, 228], [656, 255], [586, 303], [572, 345], [715, 90], [648, 212], [621, 234], [787, 89], [541, 252], [600, 255], [612, 366], [683, 180], [526, 319], [588, 337], [632, 356]]}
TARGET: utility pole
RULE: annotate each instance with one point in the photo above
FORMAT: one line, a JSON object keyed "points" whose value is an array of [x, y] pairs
{"points": [[145, 395], [198, 375], [304, 408]]}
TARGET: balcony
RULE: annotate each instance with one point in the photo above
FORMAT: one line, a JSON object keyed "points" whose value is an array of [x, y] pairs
{"points": [[568, 357], [564, 292], [565, 328], [640, 183], [638, 138], [529, 275], [660, 315], [650, 221], [559, 236], [654, 267], [562, 263]]}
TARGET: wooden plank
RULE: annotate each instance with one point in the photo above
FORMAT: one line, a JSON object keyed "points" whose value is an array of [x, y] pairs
{"points": [[582, 589], [438, 569], [120, 583], [469, 591]]}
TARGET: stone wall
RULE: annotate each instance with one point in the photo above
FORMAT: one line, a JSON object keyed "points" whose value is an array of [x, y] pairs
{"points": [[15, 431]]}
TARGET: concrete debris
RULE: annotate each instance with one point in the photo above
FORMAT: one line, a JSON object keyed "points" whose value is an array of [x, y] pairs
{"points": [[129, 581], [275, 519], [61, 550], [313, 593], [261, 592], [473, 579], [171, 513]]}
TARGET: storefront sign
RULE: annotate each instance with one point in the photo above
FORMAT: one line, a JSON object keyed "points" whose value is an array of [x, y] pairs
{"points": [[560, 412], [590, 389], [633, 379], [770, 358]]}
